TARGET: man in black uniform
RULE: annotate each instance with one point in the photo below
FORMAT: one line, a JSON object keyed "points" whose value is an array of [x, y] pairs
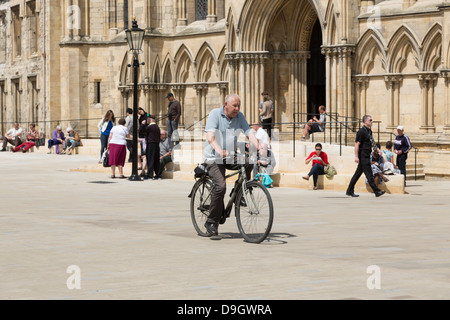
{"points": [[363, 148]]}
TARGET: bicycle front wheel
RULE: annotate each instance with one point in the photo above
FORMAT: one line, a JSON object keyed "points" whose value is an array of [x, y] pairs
{"points": [[254, 212], [200, 203]]}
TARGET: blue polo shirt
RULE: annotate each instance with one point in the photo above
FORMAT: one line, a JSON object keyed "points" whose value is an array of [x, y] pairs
{"points": [[226, 132]]}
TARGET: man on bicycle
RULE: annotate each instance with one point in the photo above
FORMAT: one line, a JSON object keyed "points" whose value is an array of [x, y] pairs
{"points": [[222, 130]]}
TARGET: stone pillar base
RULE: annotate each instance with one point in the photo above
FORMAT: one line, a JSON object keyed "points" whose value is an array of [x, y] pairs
{"points": [[427, 129]]}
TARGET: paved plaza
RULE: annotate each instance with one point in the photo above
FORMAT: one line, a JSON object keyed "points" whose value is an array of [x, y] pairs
{"points": [[82, 235]]}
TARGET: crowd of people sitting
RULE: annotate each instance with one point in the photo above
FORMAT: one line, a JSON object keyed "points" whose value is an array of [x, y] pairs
{"points": [[21, 141]]}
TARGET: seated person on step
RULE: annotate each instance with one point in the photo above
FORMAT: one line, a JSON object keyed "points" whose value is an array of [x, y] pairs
{"points": [[165, 152], [377, 166], [315, 124], [32, 136], [13, 137], [389, 158], [72, 141], [319, 161], [265, 162], [57, 139]]}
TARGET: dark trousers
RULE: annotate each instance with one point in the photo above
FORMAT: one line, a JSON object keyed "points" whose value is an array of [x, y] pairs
{"points": [[401, 163], [16, 142], [217, 174], [163, 162], [364, 166], [267, 125], [153, 160], [130, 149], [103, 143], [316, 170]]}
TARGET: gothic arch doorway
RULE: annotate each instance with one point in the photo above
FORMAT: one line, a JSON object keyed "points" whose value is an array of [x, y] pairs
{"points": [[283, 58], [316, 72]]}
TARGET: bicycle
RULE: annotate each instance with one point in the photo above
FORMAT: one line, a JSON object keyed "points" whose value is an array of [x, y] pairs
{"points": [[252, 202]]}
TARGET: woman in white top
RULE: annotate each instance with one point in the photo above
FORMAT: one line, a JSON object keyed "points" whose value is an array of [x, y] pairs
{"points": [[117, 148]]}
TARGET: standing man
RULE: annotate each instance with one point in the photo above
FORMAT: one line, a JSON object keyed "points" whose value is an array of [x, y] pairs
{"points": [[266, 113], [174, 113], [13, 137], [222, 130], [363, 148], [129, 126], [402, 145], [152, 134]]}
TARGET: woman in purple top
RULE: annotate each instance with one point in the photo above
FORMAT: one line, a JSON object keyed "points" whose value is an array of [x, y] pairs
{"points": [[57, 139]]}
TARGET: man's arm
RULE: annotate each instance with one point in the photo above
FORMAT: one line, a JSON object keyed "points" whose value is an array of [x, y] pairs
{"points": [[357, 143], [178, 108], [213, 143]]}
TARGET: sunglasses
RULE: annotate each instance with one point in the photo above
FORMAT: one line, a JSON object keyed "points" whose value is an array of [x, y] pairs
{"points": [[318, 149]]}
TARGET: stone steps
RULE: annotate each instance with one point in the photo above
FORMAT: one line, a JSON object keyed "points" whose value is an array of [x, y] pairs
{"points": [[288, 172]]}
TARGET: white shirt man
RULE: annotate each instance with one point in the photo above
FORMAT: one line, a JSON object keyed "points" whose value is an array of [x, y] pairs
{"points": [[13, 137]]}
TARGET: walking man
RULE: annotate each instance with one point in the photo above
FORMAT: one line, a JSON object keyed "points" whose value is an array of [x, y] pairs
{"points": [[363, 148], [402, 145], [174, 113]]}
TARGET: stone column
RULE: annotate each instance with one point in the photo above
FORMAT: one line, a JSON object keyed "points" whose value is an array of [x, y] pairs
{"points": [[181, 19], [427, 83], [393, 83], [68, 32], [276, 58], [211, 18], [361, 83], [328, 60], [446, 75]]}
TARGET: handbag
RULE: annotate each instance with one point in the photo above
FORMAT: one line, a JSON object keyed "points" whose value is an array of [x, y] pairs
{"points": [[40, 142], [330, 171], [105, 159]]}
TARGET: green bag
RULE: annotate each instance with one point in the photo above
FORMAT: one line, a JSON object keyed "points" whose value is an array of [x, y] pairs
{"points": [[330, 171]]}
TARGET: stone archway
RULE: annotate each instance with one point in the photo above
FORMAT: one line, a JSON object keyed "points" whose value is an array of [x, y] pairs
{"points": [[277, 58]]}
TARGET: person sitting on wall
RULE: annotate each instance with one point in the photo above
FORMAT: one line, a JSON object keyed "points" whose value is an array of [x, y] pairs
{"points": [[165, 152], [73, 140], [57, 139], [12, 137], [315, 124], [32, 136]]}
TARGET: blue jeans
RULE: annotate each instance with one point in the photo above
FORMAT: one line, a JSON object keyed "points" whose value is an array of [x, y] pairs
{"points": [[316, 170], [104, 143]]}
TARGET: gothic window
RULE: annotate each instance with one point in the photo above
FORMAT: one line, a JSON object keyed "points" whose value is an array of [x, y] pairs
{"points": [[201, 9], [3, 36], [17, 31], [32, 25]]}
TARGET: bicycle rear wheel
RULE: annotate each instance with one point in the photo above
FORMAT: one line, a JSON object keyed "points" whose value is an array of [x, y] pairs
{"points": [[200, 203], [255, 217]]}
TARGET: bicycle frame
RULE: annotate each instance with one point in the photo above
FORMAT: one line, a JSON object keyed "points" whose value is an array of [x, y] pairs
{"points": [[241, 183]]}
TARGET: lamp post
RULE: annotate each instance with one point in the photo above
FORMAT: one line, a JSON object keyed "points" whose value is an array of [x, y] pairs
{"points": [[135, 38]]}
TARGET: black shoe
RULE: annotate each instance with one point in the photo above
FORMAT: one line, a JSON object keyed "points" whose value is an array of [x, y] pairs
{"points": [[379, 193], [352, 194], [211, 228], [3, 150]]}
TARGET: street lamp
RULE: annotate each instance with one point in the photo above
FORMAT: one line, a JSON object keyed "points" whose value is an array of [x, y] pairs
{"points": [[135, 38]]}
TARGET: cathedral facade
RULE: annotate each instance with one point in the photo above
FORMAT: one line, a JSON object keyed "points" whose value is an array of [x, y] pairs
{"points": [[68, 61]]}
